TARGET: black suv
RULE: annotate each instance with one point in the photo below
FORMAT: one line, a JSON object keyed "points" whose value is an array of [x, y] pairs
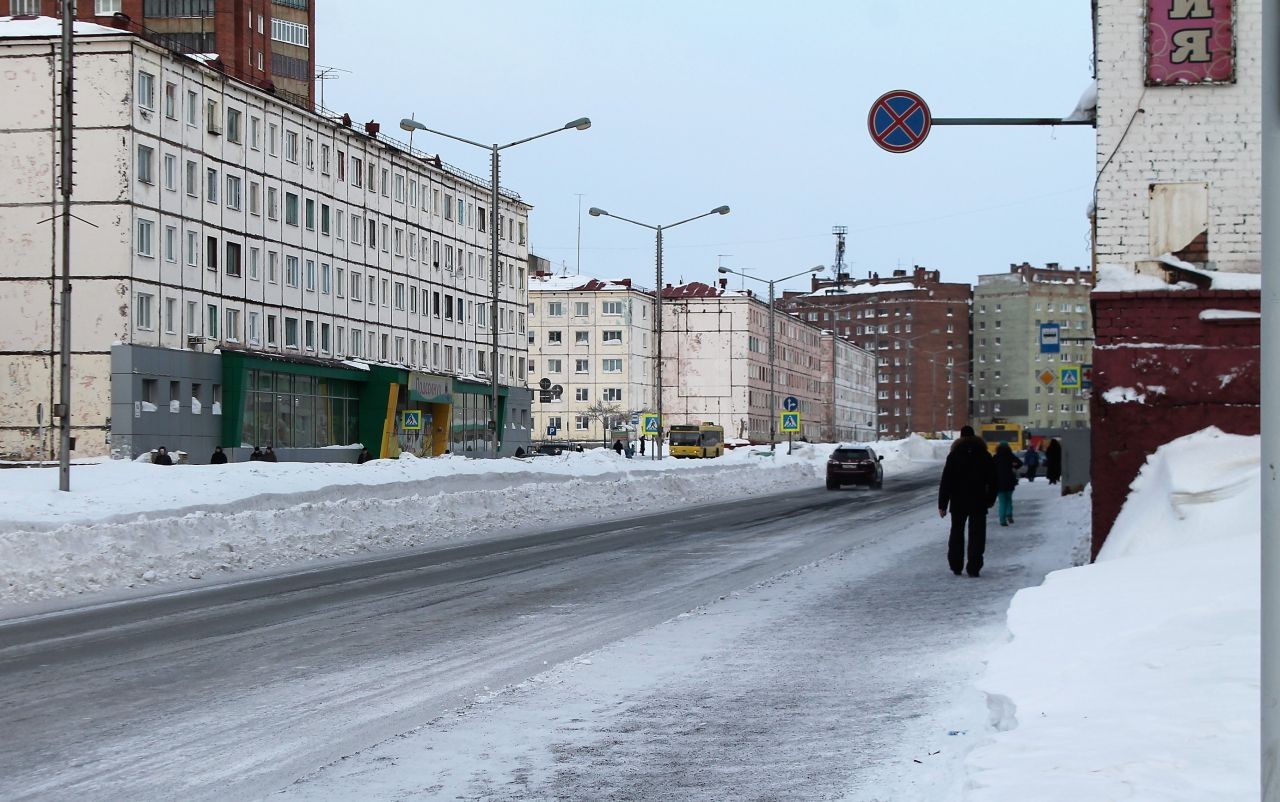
{"points": [[854, 465]]}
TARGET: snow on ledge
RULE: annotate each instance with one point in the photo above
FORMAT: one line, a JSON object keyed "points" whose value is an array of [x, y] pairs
{"points": [[1124, 395], [38, 27], [1229, 314]]}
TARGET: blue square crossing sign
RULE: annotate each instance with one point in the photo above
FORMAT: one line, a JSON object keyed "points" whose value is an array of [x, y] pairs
{"points": [[790, 422], [650, 424]]}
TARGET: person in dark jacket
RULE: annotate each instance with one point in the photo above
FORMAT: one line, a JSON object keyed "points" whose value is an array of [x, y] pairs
{"points": [[1031, 458], [617, 446], [161, 457], [270, 455], [1006, 467], [968, 489], [257, 455], [1053, 461], [218, 458], [363, 457]]}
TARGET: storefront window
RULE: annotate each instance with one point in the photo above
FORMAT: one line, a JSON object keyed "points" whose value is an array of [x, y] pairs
{"points": [[290, 411]]}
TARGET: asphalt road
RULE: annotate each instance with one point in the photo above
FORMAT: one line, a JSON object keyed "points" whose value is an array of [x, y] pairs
{"points": [[234, 692]]}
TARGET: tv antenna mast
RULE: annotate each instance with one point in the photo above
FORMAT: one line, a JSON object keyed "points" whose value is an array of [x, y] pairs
{"points": [[327, 74], [839, 272]]}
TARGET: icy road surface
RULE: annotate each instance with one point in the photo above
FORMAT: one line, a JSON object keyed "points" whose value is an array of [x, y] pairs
{"points": [[790, 680]]}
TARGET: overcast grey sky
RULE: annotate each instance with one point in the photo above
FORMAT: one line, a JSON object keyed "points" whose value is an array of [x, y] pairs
{"points": [[758, 105]]}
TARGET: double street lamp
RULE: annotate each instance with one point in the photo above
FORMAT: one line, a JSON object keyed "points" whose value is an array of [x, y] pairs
{"points": [[657, 318], [773, 401], [495, 274]]}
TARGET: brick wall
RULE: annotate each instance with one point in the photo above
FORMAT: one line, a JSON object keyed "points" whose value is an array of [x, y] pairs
{"points": [[1193, 373]]}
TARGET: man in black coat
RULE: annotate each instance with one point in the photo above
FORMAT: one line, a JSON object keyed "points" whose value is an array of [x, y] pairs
{"points": [[1053, 461], [968, 488], [219, 457]]}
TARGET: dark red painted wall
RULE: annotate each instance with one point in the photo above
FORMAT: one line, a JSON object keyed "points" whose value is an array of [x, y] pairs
{"points": [[1157, 339]]}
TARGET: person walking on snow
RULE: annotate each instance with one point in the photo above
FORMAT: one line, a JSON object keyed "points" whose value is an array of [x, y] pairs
{"points": [[1006, 466], [1031, 458], [968, 489], [617, 446], [1053, 461]]}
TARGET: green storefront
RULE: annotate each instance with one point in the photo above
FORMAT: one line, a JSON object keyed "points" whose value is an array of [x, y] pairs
{"points": [[298, 403]]}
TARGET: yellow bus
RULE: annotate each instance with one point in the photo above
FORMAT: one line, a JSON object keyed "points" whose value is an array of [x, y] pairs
{"points": [[999, 431], [698, 440]]}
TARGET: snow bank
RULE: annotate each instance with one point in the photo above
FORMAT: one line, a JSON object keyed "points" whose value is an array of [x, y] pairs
{"points": [[133, 523], [1138, 676]]}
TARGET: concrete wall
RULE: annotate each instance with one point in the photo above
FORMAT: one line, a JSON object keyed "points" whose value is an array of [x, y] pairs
{"points": [[1192, 373]]}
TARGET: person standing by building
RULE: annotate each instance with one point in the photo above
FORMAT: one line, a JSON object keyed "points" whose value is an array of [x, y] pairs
{"points": [[161, 457], [1053, 461], [219, 457], [1031, 458], [270, 455], [968, 489], [1006, 467], [257, 455]]}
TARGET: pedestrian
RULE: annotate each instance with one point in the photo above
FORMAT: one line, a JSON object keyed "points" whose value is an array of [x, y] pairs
{"points": [[257, 455], [363, 457], [519, 451], [968, 489], [161, 457], [218, 458], [1006, 466], [631, 450], [1032, 460], [1053, 461], [270, 455], [642, 439], [617, 447]]}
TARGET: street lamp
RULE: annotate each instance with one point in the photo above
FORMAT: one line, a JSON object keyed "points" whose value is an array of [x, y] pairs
{"points": [[773, 402], [580, 124], [657, 318]]}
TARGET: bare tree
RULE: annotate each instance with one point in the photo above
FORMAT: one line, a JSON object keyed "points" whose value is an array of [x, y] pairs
{"points": [[605, 412]]}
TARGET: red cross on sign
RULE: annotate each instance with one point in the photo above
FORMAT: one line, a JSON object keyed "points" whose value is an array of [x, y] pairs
{"points": [[899, 121]]}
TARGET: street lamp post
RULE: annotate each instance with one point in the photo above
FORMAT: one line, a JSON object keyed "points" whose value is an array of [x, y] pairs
{"points": [[773, 401], [580, 124], [657, 318]]}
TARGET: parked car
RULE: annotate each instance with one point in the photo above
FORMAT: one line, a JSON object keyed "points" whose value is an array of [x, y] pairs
{"points": [[549, 449], [854, 464]]}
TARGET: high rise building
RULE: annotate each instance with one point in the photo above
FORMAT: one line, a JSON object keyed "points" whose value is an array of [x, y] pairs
{"points": [[918, 328], [1012, 379], [268, 43]]}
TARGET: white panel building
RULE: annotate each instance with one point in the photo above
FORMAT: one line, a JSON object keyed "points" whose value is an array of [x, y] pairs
{"points": [[212, 218]]}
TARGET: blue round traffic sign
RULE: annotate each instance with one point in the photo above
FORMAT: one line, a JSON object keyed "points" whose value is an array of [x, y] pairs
{"points": [[899, 121], [790, 404]]}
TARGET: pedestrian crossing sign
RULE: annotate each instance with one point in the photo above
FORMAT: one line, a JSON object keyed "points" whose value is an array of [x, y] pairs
{"points": [[790, 422], [650, 424], [411, 420], [1069, 378]]}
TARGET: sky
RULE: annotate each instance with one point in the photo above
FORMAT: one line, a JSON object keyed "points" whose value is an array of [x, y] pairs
{"points": [[695, 105], [1108, 675]]}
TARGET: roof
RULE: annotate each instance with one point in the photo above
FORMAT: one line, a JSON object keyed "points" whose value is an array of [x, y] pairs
{"points": [[45, 27], [577, 284]]}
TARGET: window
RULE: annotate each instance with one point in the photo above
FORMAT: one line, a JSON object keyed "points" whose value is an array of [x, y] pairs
{"points": [[555, 309], [293, 33], [193, 249], [213, 123], [554, 365], [233, 192], [255, 328], [611, 365], [324, 159], [309, 334], [193, 108], [311, 275], [613, 394], [146, 82], [291, 270], [355, 286], [448, 206], [211, 185], [144, 237], [273, 267], [211, 253], [171, 172], [271, 330], [291, 208], [555, 338], [357, 227], [273, 138], [612, 336], [232, 330], [581, 308], [399, 295], [581, 366], [171, 101], [290, 332], [582, 338], [611, 307], [324, 219], [192, 182], [399, 187], [581, 394], [212, 330], [146, 164], [386, 183], [233, 125], [324, 337], [341, 274], [255, 133], [170, 243], [291, 146], [310, 217], [142, 310], [309, 153], [326, 278], [255, 260], [233, 259], [357, 172]]}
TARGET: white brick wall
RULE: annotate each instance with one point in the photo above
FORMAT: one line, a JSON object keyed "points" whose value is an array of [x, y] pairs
{"points": [[1202, 133]]}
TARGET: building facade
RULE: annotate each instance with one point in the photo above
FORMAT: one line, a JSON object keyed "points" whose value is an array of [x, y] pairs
{"points": [[212, 218], [591, 345], [1012, 379], [918, 328], [1179, 148], [268, 43]]}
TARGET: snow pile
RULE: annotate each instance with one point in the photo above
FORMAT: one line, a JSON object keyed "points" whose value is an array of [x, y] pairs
{"points": [[1138, 676], [133, 523]]}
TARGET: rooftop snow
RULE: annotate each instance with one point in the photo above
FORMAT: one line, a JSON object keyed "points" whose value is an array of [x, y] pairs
{"points": [[43, 27]]}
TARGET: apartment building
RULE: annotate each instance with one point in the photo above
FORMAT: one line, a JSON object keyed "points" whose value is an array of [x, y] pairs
{"points": [[917, 326], [591, 345], [245, 271], [716, 368], [1012, 379], [268, 43]]}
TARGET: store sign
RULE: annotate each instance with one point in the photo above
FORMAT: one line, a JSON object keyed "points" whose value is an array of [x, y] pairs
{"points": [[428, 388], [1190, 42]]}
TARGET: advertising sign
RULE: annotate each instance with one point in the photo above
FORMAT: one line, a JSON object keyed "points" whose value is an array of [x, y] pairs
{"points": [[1190, 42]]}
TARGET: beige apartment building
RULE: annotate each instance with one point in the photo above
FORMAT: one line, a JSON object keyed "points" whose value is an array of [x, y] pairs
{"points": [[591, 345], [1012, 378], [245, 271]]}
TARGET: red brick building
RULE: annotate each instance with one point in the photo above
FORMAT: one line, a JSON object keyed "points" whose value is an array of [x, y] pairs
{"points": [[917, 326], [267, 43]]}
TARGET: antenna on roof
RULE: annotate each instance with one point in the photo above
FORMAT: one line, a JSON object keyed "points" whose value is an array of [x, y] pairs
{"points": [[328, 74], [838, 271]]}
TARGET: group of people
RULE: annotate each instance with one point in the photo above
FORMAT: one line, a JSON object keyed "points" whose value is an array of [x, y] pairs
{"points": [[974, 480], [161, 456], [628, 449]]}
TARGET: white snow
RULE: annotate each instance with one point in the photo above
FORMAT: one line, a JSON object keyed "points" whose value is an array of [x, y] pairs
{"points": [[884, 285], [1087, 107], [49, 26], [1121, 278], [1123, 395], [1229, 314]]}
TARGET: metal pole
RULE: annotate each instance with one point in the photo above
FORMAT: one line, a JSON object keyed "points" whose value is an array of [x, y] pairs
{"points": [[657, 323], [496, 276], [64, 395], [773, 401], [1270, 396]]}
